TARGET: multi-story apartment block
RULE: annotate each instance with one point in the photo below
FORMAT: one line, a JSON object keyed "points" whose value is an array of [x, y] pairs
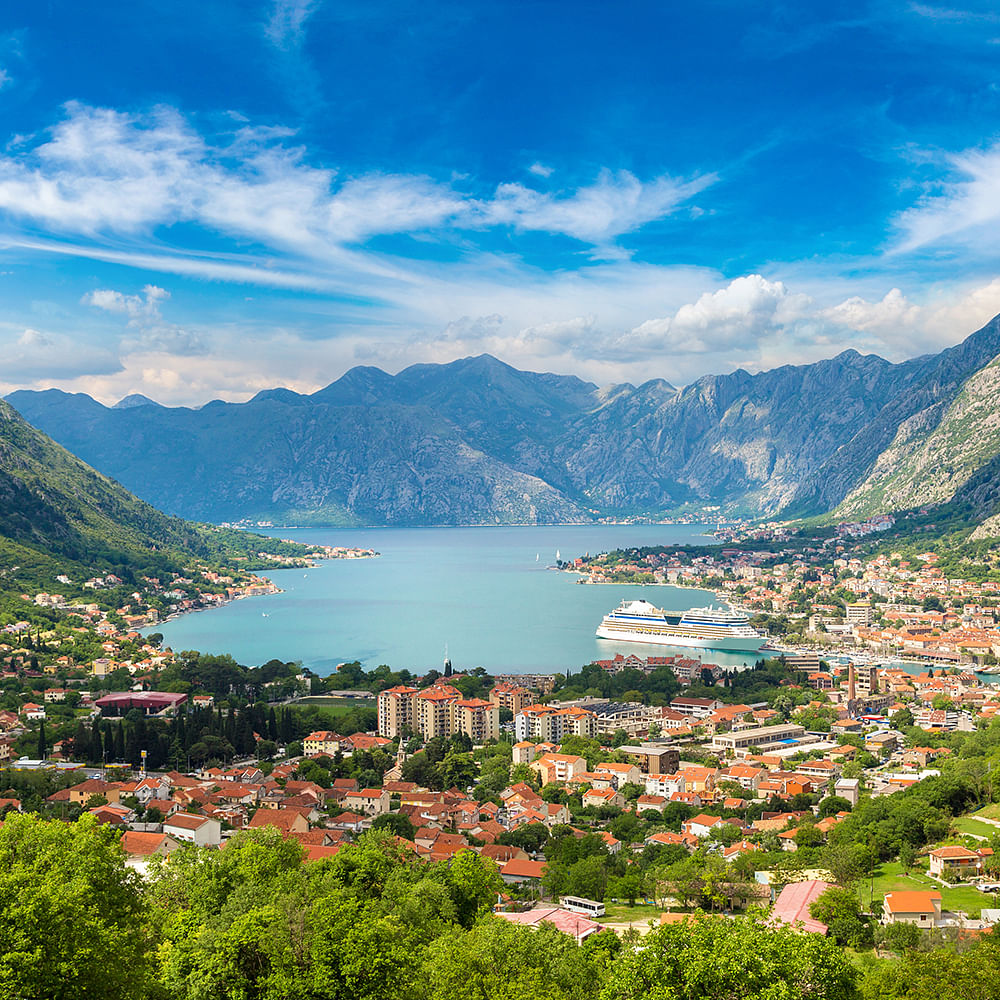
{"points": [[440, 710], [395, 710], [545, 722], [478, 719], [511, 696]]}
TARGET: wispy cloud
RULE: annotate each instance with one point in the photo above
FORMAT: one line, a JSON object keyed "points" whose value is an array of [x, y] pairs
{"points": [[106, 173], [962, 209], [286, 26]]}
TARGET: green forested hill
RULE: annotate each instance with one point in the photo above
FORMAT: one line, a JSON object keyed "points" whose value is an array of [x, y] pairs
{"points": [[58, 515]]}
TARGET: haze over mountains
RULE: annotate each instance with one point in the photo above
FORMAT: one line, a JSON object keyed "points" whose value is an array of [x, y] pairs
{"points": [[477, 441]]}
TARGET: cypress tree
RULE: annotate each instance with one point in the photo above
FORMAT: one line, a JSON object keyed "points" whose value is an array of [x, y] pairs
{"points": [[42, 746], [96, 743]]}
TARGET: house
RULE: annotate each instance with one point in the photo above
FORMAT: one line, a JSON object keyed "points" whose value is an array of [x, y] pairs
{"points": [[603, 797], [667, 837], [644, 802], [113, 815], [200, 830], [558, 768], [576, 925], [946, 860], [137, 844], [848, 788], [322, 741], [622, 774], [912, 907], [288, 821], [518, 872], [793, 903], [744, 775], [367, 801], [701, 825]]}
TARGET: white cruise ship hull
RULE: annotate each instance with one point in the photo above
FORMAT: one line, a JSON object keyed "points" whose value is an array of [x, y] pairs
{"points": [[743, 644]]}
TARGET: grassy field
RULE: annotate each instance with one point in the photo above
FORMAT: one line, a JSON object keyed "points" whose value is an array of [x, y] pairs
{"points": [[966, 824], [638, 914], [992, 811], [890, 878]]}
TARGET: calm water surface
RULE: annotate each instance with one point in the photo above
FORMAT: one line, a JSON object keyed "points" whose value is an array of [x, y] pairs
{"points": [[480, 592]]}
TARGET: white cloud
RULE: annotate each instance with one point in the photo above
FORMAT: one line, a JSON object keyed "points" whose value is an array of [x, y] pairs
{"points": [[285, 27], [147, 328], [886, 316], [616, 203], [104, 172], [541, 169], [899, 328], [30, 354], [736, 316], [961, 211], [135, 306]]}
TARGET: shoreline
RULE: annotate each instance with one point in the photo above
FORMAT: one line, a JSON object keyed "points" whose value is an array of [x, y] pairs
{"points": [[309, 562]]}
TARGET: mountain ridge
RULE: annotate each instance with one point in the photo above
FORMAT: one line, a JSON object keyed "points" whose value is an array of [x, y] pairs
{"points": [[479, 441]]}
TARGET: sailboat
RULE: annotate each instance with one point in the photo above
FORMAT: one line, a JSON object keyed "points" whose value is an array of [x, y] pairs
{"points": [[536, 557], [558, 557]]}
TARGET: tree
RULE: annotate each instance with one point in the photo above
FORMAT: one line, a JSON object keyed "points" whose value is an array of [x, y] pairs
{"points": [[74, 922], [832, 805], [395, 823], [457, 770], [42, 745], [740, 957], [903, 719], [266, 749], [502, 961], [840, 910], [907, 855]]}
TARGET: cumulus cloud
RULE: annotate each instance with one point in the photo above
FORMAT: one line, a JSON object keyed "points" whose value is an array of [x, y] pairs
{"points": [[147, 328], [541, 169], [739, 315], [898, 327]]}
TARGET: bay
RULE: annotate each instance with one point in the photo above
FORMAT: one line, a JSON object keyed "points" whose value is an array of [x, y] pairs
{"points": [[479, 593]]}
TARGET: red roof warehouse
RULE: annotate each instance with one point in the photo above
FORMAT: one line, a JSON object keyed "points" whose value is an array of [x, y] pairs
{"points": [[150, 702]]}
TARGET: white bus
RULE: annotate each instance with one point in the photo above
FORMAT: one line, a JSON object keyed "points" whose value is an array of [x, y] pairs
{"points": [[580, 905]]}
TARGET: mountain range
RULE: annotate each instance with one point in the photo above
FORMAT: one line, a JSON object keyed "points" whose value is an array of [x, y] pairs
{"points": [[477, 441]]}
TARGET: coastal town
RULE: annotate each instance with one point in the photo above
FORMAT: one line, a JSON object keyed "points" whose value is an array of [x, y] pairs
{"points": [[681, 768], [839, 786], [827, 598]]}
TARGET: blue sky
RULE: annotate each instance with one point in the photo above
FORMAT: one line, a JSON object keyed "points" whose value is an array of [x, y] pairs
{"points": [[203, 200]]}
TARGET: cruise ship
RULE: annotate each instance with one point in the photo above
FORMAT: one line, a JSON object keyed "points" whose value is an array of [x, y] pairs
{"points": [[701, 628]]}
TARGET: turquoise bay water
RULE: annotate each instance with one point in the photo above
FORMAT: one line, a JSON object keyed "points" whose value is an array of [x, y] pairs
{"points": [[477, 591]]}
